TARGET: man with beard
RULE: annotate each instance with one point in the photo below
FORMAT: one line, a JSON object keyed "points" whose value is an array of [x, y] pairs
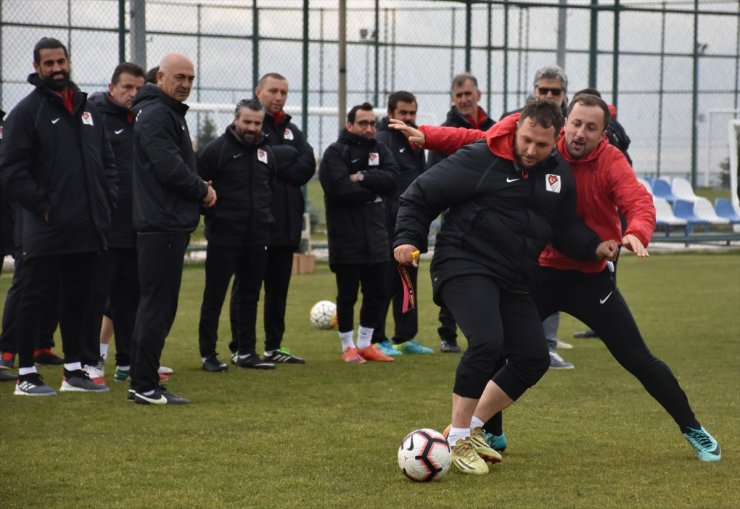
{"points": [[57, 164], [465, 112], [507, 198], [242, 168], [167, 193], [410, 160], [587, 290], [357, 175]]}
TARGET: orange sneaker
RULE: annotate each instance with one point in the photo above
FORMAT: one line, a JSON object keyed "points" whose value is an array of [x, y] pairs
{"points": [[351, 355], [373, 353]]}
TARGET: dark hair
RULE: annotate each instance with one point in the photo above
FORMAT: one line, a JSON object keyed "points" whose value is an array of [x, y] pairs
{"points": [[589, 91], [353, 112], [591, 100], [460, 79], [400, 96], [48, 43], [544, 113], [251, 104], [127, 68], [273, 75], [151, 75]]}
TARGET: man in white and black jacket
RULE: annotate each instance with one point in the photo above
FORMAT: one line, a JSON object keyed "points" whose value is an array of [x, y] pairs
{"points": [[242, 168], [167, 194], [57, 164], [358, 174]]}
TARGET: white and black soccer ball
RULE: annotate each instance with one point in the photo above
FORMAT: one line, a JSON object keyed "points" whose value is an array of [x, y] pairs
{"points": [[424, 455], [324, 315]]}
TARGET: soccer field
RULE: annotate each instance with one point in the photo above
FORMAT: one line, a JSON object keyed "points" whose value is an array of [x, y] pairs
{"points": [[325, 434]]}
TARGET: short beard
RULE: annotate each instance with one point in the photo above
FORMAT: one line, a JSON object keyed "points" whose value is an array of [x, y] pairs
{"points": [[55, 84]]}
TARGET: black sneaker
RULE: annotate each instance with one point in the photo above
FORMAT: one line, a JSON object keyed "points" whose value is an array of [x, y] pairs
{"points": [[283, 355], [130, 394], [159, 396], [252, 361], [32, 385], [586, 334], [213, 365], [449, 347], [79, 381]]}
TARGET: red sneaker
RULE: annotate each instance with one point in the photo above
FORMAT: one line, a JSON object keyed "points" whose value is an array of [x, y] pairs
{"points": [[46, 356], [373, 353]]}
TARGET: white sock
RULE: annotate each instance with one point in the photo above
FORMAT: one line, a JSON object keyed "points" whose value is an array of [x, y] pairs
{"points": [[73, 366], [457, 434], [104, 350], [27, 371], [347, 339], [124, 368], [476, 423], [364, 336]]}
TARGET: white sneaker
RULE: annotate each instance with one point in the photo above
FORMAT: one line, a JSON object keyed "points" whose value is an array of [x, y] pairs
{"points": [[94, 374], [164, 370], [557, 362], [562, 345]]}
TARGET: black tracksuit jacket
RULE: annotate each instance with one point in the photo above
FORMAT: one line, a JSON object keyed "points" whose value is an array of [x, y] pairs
{"points": [[288, 203], [456, 119], [61, 163], [355, 211], [499, 218], [167, 190], [243, 176], [119, 127]]}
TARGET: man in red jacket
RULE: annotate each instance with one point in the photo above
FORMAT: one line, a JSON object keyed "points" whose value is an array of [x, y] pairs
{"points": [[605, 183]]}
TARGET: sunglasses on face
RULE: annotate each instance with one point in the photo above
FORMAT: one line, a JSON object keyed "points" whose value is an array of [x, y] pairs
{"points": [[554, 91]]}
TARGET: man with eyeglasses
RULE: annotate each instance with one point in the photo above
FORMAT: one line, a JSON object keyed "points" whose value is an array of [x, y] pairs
{"points": [[358, 174], [550, 83]]}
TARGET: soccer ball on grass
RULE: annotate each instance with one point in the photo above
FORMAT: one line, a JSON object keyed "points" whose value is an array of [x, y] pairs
{"points": [[324, 315], [424, 455]]}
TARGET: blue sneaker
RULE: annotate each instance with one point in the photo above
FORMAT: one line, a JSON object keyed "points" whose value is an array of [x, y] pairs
{"points": [[706, 447], [413, 346], [387, 348], [497, 442]]}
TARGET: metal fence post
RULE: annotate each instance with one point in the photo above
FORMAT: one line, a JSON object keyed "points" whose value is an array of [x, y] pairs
{"points": [[138, 32]]}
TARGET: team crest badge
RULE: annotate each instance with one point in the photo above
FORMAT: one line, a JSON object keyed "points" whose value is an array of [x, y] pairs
{"points": [[552, 183], [262, 156], [373, 159], [87, 118], [288, 134]]}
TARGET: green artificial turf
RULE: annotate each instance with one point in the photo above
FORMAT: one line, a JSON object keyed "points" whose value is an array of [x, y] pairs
{"points": [[325, 434]]}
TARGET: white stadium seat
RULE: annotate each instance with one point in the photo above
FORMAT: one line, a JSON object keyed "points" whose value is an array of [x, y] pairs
{"points": [[682, 190], [705, 211]]}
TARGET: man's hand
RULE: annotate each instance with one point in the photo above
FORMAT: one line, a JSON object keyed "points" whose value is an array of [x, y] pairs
{"points": [[406, 254], [635, 245], [414, 135], [210, 199], [608, 250]]}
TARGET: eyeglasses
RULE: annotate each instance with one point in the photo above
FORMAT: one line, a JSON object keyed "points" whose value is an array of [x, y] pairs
{"points": [[366, 123], [554, 91]]}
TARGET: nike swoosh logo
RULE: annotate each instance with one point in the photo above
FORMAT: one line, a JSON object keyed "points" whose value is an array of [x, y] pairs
{"points": [[601, 301], [411, 444], [161, 400], [55, 120], [236, 156], [401, 150], [353, 161], [119, 131], [511, 180]]}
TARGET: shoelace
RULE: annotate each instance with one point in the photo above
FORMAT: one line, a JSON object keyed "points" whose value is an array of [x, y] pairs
{"points": [[701, 437]]}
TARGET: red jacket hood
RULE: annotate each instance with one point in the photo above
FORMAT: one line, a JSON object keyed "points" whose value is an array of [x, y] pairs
{"points": [[500, 138]]}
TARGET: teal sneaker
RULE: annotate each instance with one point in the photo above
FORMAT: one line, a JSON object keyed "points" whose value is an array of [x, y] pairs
{"points": [[413, 346], [387, 348], [496, 442], [706, 447], [121, 374]]}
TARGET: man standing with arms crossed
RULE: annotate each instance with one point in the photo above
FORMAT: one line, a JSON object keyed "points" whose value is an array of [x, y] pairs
{"points": [[167, 192], [57, 164], [288, 205], [465, 112]]}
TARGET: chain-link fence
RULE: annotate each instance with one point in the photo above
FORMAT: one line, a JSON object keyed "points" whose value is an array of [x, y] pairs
{"points": [[672, 67]]}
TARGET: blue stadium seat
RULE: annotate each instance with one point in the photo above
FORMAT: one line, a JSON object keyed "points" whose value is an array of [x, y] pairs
{"points": [[683, 209], [662, 189], [724, 209]]}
